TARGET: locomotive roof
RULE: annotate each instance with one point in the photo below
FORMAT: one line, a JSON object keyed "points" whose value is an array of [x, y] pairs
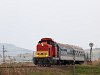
{"points": [[63, 46], [47, 39]]}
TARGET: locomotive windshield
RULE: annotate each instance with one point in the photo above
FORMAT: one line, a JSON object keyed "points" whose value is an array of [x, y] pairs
{"points": [[48, 42]]}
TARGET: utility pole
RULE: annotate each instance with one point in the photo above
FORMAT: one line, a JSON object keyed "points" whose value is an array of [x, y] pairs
{"points": [[4, 54], [73, 62]]}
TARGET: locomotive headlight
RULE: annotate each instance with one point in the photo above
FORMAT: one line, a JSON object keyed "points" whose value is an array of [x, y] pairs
{"points": [[42, 44], [37, 55], [46, 55]]}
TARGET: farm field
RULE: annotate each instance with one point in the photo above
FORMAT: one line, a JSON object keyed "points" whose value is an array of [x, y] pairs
{"points": [[30, 69]]}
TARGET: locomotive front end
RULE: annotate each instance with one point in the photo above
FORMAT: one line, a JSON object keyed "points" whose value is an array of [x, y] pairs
{"points": [[42, 50]]}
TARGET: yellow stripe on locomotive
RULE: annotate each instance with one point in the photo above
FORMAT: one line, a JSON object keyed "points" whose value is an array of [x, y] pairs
{"points": [[42, 54]]}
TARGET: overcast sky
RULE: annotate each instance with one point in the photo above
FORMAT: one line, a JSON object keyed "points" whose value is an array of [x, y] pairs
{"points": [[24, 22]]}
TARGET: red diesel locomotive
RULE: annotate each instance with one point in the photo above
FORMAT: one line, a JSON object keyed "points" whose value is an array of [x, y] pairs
{"points": [[46, 48], [46, 51]]}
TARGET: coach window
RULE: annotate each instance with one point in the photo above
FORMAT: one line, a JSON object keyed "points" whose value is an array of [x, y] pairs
{"points": [[71, 52], [68, 51], [79, 52], [75, 53]]}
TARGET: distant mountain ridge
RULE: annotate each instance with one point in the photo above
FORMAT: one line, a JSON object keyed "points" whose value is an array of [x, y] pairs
{"points": [[12, 50]]}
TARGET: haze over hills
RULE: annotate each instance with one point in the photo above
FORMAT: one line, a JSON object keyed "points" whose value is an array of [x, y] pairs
{"points": [[12, 50]]}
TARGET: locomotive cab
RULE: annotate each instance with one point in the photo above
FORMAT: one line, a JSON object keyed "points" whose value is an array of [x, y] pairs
{"points": [[46, 48]]}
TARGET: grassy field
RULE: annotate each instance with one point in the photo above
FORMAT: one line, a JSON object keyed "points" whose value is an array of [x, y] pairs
{"points": [[18, 69], [87, 70], [79, 70]]}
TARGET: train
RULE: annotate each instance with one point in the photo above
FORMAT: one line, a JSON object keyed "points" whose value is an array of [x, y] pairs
{"points": [[49, 52]]}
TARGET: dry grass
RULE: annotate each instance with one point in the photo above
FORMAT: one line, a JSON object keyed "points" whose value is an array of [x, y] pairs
{"points": [[96, 63], [20, 69], [16, 69]]}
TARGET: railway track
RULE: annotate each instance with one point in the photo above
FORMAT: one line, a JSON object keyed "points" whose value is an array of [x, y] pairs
{"points": [[52, 66], [17, 66]]}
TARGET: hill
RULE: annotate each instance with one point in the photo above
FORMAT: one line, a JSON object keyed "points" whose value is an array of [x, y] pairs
{"points": [[15, 54], [12, 50]]}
